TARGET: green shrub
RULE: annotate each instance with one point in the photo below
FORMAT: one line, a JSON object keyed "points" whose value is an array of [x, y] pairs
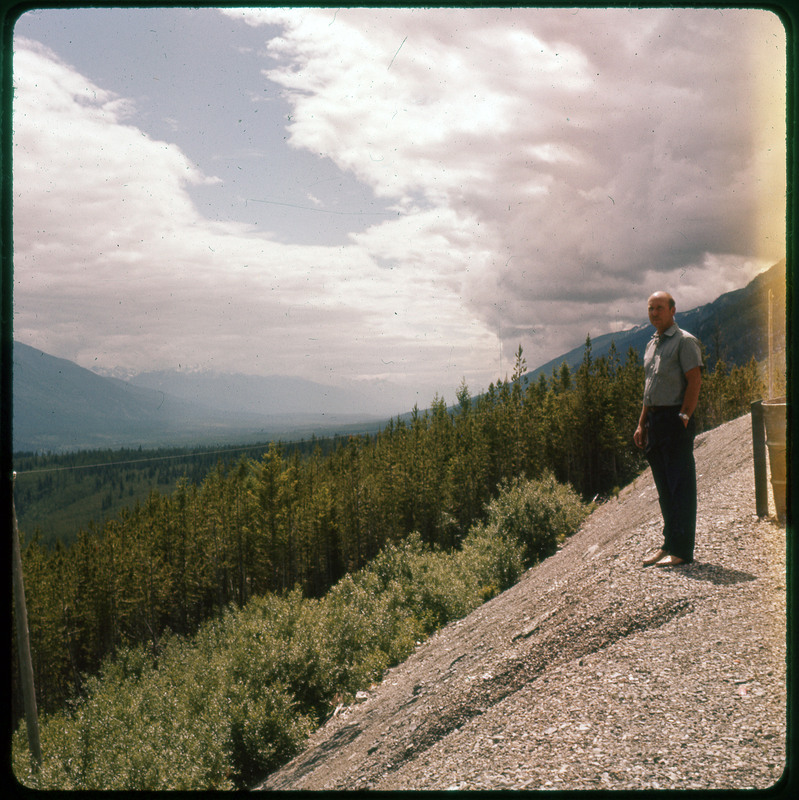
{"points": [[493, 559], [137, 731], [365, 632], [539, 514], [195, 720], [420, 584]]}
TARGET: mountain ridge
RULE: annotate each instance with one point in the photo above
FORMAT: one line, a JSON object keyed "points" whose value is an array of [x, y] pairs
{"points": [[244, 393], [733, 327], [60, 406]]}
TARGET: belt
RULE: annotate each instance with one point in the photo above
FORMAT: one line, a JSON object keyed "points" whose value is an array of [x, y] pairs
{"points": [[663, 408]]}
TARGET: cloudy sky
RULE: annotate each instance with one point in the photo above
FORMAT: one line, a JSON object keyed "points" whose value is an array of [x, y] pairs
{"points": [[384, 194]]}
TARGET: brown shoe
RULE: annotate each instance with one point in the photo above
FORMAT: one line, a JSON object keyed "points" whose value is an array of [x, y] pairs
{"points": [[670, 561], [655, 558]]}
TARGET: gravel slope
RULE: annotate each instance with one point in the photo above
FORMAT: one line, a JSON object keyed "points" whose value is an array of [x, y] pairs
{"points": [[594, 672]]}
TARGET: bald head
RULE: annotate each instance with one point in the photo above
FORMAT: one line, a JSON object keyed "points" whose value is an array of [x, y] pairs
{"points": [[663, 296]]}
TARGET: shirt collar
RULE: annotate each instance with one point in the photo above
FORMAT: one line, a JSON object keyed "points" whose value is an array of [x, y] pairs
{"points": [[668, 332]]}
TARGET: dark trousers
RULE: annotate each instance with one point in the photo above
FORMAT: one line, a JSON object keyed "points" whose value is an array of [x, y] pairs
{"points": [[670, 453]]}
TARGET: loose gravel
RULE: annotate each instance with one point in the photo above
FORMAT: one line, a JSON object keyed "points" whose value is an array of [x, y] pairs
{"points": [[594, 672]]}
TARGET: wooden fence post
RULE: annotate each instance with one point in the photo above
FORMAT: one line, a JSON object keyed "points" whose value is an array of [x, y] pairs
{"points": [[759, 453]]}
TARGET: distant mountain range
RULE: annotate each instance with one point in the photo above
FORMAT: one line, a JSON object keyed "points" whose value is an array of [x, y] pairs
{"points": [[270, 395], [60, 406]]}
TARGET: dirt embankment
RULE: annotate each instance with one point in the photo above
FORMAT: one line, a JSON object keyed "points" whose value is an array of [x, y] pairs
{"points": [[594, 672]]}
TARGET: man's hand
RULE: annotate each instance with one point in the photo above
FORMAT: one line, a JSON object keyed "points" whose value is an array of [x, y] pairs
{"points": [[639, 437], [694, 380]]}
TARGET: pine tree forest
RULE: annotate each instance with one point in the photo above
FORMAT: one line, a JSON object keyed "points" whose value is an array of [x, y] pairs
{"points": [[276, 521]]}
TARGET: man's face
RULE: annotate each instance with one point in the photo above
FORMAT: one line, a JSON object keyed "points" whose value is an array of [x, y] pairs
{"points": [[661, 315]]}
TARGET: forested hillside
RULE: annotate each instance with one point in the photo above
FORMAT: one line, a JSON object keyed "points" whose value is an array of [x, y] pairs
{"points": [[227, 705], [57, 495]]}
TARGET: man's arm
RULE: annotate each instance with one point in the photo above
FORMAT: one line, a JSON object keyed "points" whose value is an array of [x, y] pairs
{"points": [[639, 437], [691, 397]]}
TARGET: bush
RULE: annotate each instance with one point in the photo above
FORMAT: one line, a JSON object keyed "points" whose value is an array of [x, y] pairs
{"points": [[537, 514], [191, 721], [495, 561], [367, 631]]}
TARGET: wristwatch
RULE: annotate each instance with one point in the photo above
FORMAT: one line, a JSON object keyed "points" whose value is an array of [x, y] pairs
{"points": [[683, 416]]}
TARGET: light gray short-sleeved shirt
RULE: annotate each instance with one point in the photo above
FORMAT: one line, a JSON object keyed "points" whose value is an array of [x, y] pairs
{"points": [[666, 360]]}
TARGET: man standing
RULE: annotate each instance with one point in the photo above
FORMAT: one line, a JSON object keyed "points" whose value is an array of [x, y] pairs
{"points": [[666, 429]]}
